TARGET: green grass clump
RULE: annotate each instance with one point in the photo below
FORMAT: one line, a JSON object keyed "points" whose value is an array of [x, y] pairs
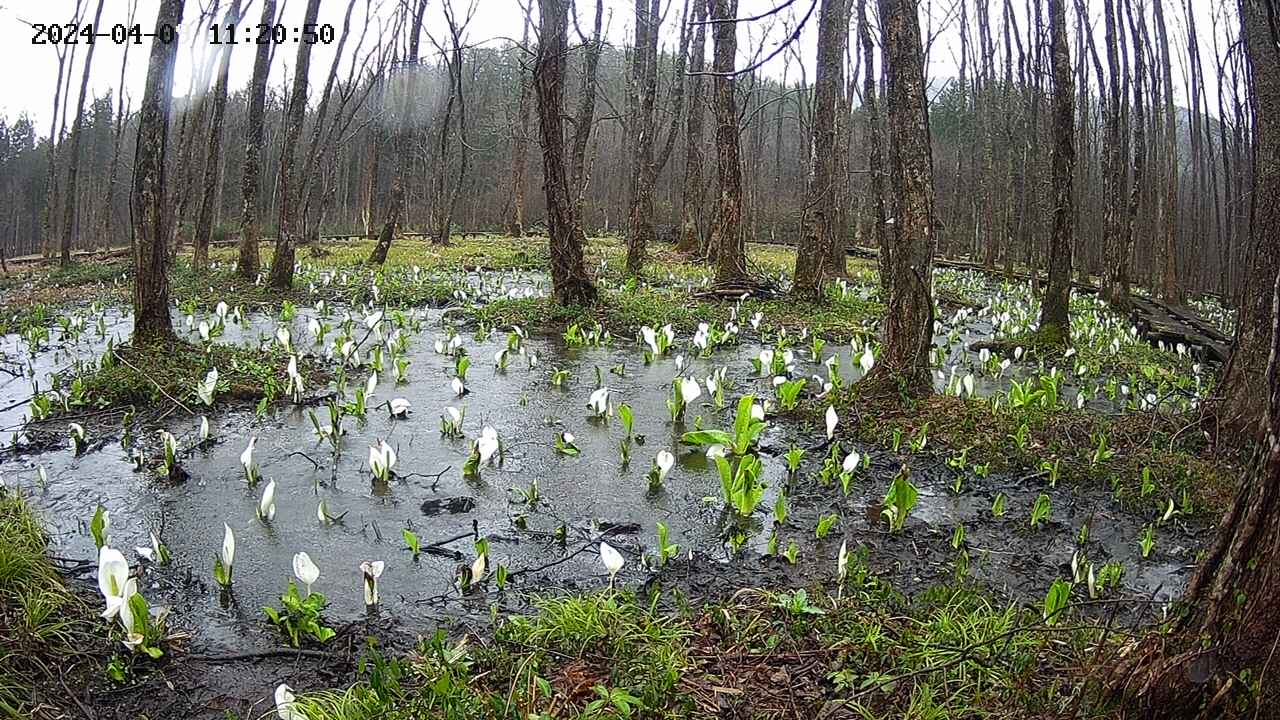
{"points": [[39, 619]]}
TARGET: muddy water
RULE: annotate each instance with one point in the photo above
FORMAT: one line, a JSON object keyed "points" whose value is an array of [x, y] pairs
{"points": [[589, 494]]}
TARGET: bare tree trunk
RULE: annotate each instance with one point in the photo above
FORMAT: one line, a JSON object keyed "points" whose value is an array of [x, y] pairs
{"points": [[73, 156], [821, 198], [1169, 268], [1055, 325], [55, 141], [644, 77], [691, 189], [726, 233], [204, 216], [570, 283], [250, 262], [908, 321], [1244, 380], [152, 220], [1114, 190], [282, 261], [875, 141], [520, 146]]}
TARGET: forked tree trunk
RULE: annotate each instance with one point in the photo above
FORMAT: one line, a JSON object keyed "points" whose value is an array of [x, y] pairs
{"points": [[1244, 378], [290, 230], [204, 216], [1055, 325], [570, 283], [908, 321], [822, 197], [152, 217], [250, 261], [644, 78], [726, 234]]}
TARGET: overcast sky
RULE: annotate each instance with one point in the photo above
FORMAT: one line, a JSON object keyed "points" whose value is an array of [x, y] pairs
{"points": [[31, 70]]}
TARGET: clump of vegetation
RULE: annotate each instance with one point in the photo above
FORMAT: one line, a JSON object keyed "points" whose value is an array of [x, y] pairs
{"points": [[40, 620]]}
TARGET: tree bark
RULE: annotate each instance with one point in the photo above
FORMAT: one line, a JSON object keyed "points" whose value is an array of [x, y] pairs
{"points": [[570, 283], [1055, 326], [282, 261], [1118, 235], [250, 261], [821, 196], [204, 216], [152, 218], [908, 321], [726, 234]]}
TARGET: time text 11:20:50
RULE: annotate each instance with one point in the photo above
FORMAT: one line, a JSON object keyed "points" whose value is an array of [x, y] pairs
{"points": [[263, 33]]}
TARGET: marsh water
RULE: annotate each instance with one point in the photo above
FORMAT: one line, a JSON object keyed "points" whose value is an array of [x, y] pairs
{"points": [[588, 495]]}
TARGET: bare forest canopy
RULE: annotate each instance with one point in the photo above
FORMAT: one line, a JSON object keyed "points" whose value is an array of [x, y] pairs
{"points": [[990, 127]]}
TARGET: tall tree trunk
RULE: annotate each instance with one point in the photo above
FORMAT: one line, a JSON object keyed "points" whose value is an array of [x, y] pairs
{"points": [[1244, 379], [250, 262], [691, 190], [104, 224], [73, 156], [55, 143], [520, 146], [1118, 232], [1055, 326], [821, 196], [726, 234], [644, 78], [281, 276], [1169, 259], [908, 321], [570, 283], [447, 199], [875, 141], [152, 218], [204, 216]]}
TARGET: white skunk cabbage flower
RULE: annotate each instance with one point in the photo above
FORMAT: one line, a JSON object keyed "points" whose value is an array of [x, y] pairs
{"points": [[113, 577], [371, 571], [246, 461], [832, 421], [488, 443], [267, 505], [400, 407], [598, 403], [665, 461], [286, 707], [611, 559], [382, 458], [305, 570], [689, 390]]}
